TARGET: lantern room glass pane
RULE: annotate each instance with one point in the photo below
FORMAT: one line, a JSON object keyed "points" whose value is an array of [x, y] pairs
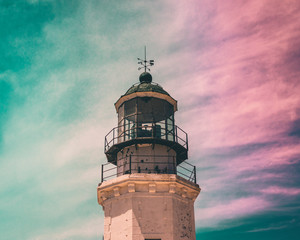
{"points": [[153, 110], [170, 129], [130, 107], [146, 117], [120, 131], [120, 113]]}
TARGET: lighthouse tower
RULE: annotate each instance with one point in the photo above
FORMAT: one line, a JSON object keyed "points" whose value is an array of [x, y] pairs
{"points": [[147, 188]]}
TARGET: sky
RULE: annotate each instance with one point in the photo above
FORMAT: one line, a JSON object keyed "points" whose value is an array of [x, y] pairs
{"points": [[233, 66]]}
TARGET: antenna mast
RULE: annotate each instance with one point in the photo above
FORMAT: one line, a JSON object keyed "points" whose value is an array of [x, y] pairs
{"points": [[145, 64]]}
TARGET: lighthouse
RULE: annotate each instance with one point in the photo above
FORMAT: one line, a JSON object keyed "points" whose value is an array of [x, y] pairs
{"points": [[148, 187]]}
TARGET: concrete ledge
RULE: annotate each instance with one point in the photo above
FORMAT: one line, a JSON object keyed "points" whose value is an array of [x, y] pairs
{"points": [[150, 183]]}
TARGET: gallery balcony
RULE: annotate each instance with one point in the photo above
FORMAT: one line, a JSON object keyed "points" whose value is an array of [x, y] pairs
{"points": [[171, 136], [155, 165]]}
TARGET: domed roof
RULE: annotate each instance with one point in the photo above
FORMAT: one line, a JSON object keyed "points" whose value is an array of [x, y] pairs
{"points": [[146, 85], [146, 88]]}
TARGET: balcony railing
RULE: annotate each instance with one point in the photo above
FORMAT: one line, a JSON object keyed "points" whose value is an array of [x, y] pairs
{"points": [[153, 165], [169, 133]]}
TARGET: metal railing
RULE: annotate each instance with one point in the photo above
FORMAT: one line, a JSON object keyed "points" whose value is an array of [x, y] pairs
{"points": [[170, 133], [148, 164]]}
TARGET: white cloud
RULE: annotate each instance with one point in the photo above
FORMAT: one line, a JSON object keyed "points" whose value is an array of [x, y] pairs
{"points": [[84, 229], [218, 212]]}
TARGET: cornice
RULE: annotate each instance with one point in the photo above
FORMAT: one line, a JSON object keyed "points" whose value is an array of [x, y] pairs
{"points": [[138, 183]]}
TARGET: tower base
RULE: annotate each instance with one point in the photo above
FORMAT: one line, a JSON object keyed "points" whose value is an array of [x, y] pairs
{"points": [[148, 206]]}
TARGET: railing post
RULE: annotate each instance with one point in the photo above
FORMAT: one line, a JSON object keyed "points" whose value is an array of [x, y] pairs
{"points": [[174, 129], [166, 129], [129, 164], [187, 141], [152, 130], [113, 136], [102, 173], [195, 174]]}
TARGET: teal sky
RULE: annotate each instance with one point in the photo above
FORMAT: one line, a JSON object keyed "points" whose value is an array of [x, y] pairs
{"points": [[233, 66]]}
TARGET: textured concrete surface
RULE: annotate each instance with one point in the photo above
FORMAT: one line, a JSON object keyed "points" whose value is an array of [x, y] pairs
{"points": [[148, 206]]}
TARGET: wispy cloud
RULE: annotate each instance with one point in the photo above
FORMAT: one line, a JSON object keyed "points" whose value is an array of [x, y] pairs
{"points": [[217, 212], [87, 229], [281, 190], [243, 99], [267, 229]]}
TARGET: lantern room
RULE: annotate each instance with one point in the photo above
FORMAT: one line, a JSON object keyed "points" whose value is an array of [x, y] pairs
{"points": [[146, 118]]}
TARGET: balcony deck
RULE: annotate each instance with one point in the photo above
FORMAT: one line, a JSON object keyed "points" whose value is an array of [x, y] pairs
{"points": [[157, 165], [176, 139]]}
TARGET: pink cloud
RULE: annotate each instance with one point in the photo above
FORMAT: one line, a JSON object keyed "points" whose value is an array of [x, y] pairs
{"points": [[236, 208], [281, 190], [266, 176], [238, 93], [266, 158]]}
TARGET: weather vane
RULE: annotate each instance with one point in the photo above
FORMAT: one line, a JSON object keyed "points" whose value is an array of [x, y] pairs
{"points": [[145, 64]]}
